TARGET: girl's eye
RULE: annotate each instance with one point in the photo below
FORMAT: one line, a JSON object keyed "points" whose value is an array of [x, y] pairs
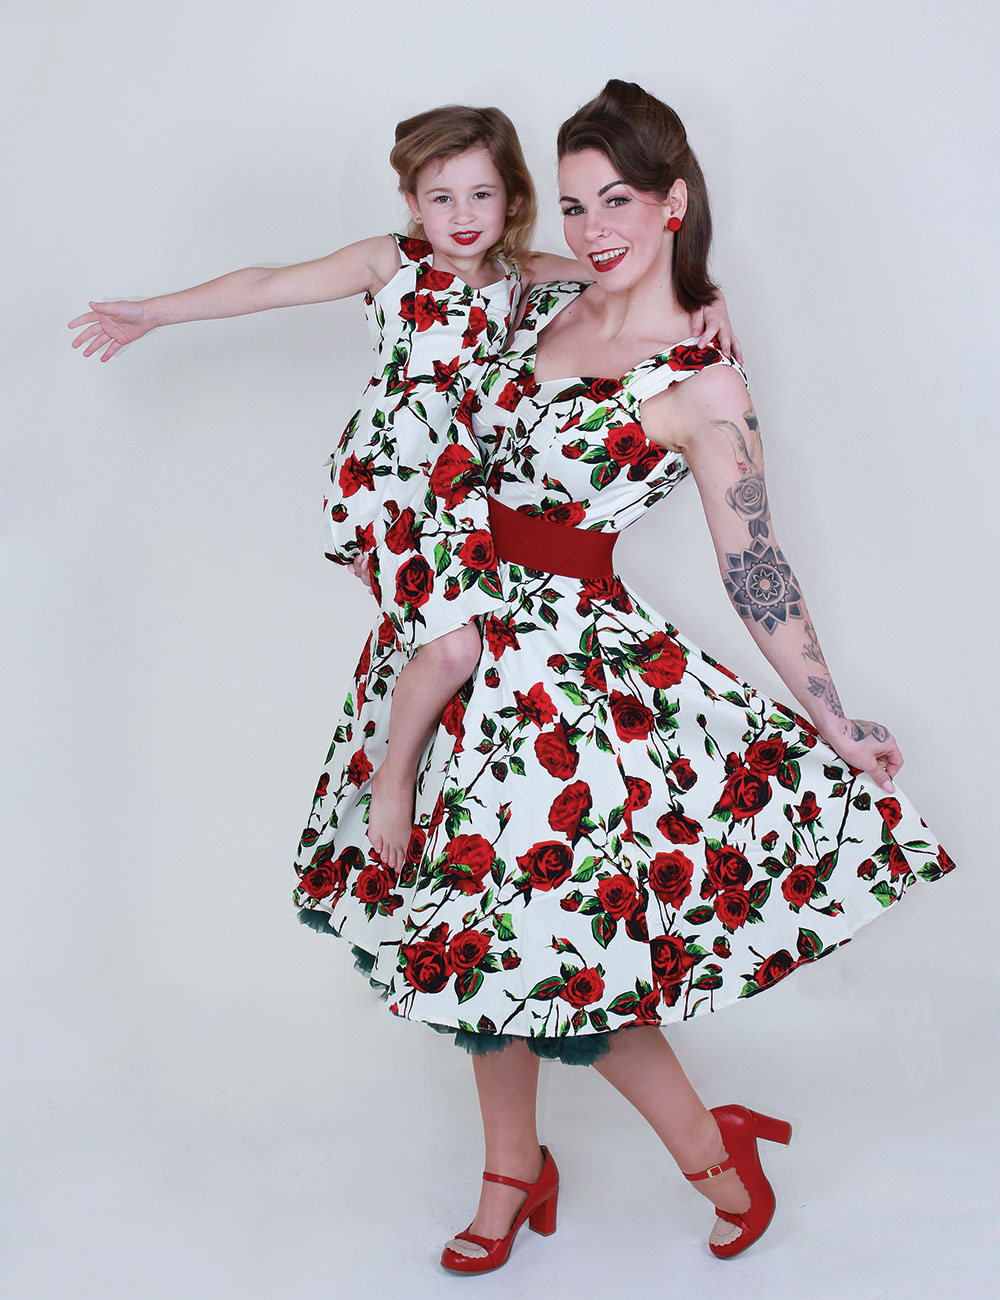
{"points": [[482, 194], [440, 198]]}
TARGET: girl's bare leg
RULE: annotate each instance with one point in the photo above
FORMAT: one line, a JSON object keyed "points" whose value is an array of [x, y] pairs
{"points": [[423, 688], [642, 1066], [507, 1083]]}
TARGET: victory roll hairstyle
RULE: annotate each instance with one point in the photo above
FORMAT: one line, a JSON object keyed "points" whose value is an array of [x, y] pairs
{"points": [[444, 132], [648, 145]]}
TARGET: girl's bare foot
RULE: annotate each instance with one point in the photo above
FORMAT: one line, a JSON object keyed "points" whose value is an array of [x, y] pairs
{"points": [[390, 817]]}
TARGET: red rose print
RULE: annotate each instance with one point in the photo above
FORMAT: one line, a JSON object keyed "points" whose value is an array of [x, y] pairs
{"points": [[798, 885], [593, 675], [732, 907], [467, 949], [691, 357], [626, 444], [427, 964], [632, 719], [555, 753], [452, 719], [808, 809], [355, 475], [646, 463], [416, 249], [898, 865], [478, 551], [639, 793], [386, 633], [510, 960], [598, 390], [670, 877], [764, 757], [536, 706], [491, 677], [891, 812], [424, 310], [477, 323], [509, 396], [721, 947], [446, 376], [683, 773], [325, 877], [618, 895], [359, 769], [679, 829], [374, 883], [727, 867], [944, 861], [646, 1013], [775, 968], [745, 794], [769, 840], [338, 513], [569, 513], [415, 848], [322, 786], [609, 590], [431, 280], [401, 535], [455, 474], [467, 859], [548, 864], [584, 987], [669, 962], [500, 634], [414, 582], [662, 661], [867, 870], [569, 807]]}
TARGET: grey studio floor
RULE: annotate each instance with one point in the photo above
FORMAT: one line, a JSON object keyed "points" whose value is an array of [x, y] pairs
{"points": [[314, 1146]]}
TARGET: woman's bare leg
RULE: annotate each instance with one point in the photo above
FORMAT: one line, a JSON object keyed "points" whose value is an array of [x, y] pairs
{"points": [[642, 1066], [507, 1083], [423, 688]]}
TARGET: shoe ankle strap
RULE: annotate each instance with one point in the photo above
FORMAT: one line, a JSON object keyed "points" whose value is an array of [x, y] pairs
{"points": [[508, 1182], [713, 1172]]}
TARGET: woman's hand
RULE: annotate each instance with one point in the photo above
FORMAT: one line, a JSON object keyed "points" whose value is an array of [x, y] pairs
{"points": [[110, 326], [713, 326], [359, 568], [867, 745]]}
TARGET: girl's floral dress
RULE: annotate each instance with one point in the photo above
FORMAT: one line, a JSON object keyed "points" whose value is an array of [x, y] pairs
{"points": [[613, 829], [406, 481]]}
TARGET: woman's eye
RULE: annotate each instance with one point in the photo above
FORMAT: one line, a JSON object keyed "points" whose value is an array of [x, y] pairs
{"points": [[573, 211], [616, 200]]}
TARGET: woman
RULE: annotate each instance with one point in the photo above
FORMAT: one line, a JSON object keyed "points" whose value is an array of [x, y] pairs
{"points": [[620, 833]]}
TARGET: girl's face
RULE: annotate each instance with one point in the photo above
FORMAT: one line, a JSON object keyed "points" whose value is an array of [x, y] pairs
{"points": [[462, 203], [619, 231]]}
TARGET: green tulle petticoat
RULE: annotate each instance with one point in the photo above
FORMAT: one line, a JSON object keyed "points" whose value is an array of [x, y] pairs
{"points": [[571, 1051]]}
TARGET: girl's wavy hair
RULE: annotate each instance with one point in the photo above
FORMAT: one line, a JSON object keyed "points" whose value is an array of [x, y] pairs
{"points": [[444, 132], [648, 145]]}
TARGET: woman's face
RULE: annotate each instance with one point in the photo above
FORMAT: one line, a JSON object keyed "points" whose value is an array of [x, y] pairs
{"points": [[461, 202], [620, 231]]}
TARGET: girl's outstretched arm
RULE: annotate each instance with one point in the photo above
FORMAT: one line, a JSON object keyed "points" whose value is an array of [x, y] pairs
{"points": [[359, 268], [711, 323]]}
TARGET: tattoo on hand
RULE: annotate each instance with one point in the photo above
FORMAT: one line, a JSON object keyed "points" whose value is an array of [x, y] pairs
{"points": [[761, 585], [861, 728]]}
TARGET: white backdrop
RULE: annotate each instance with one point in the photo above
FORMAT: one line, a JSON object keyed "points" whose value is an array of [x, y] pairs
{"points": [[201, 1098]]}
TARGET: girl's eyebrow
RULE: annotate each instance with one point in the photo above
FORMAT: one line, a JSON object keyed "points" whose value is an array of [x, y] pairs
{"points": [[444, 189], [566, 198]]}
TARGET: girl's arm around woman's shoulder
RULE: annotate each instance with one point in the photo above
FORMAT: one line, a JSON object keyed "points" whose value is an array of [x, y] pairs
{"points": [[710, 419], [364, 267]]}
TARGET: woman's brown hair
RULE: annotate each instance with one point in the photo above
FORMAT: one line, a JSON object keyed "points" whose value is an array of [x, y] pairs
{"points": [[648, 145], [444, 132]]}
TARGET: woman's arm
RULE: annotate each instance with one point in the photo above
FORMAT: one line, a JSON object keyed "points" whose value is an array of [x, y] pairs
{"points": [[710, 324], [362, 267], [710, 419]]}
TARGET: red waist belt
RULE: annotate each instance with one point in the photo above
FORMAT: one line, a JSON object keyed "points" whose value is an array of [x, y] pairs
{"points": [[553, 548]]}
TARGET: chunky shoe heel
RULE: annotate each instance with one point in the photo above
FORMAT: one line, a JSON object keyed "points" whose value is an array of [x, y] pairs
{"points": [[740, 1128], [543, 1220], [538, 1211], [772, 1130]]}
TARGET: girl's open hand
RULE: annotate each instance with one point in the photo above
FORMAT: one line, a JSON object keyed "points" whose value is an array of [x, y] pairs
{"points": [[110, 325], [713, 327]]}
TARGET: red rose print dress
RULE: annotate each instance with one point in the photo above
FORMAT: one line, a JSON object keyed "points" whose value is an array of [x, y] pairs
{"points": [[617, 831], [406, 481]]}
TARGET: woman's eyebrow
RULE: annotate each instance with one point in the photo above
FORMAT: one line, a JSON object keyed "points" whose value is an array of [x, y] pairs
{"points": [[566, 198]]}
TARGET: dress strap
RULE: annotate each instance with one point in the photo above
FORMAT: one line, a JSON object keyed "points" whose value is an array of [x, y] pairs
{"points": [[547, 300], [681, 362], [413, 251]]}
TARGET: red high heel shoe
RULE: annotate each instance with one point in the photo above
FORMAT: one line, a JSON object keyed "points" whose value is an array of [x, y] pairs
{"points": [[740, 1129], [539, 1209]]}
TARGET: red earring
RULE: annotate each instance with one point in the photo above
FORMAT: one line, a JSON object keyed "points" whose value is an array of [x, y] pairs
{"points": [[673, 223]]}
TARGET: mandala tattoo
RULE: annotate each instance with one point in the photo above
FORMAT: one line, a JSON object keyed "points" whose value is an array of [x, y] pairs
{"points": [[761, 585]]}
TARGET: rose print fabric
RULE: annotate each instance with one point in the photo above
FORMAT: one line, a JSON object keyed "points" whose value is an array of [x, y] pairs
{"points": [[613, 829], [406, 481]]}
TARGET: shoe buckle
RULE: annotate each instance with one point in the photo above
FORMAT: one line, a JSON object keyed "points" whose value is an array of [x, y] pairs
{"points": [[714, 1172]]}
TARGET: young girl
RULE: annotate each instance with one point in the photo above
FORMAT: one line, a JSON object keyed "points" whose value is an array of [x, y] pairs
{"points": [[406, 498]]}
